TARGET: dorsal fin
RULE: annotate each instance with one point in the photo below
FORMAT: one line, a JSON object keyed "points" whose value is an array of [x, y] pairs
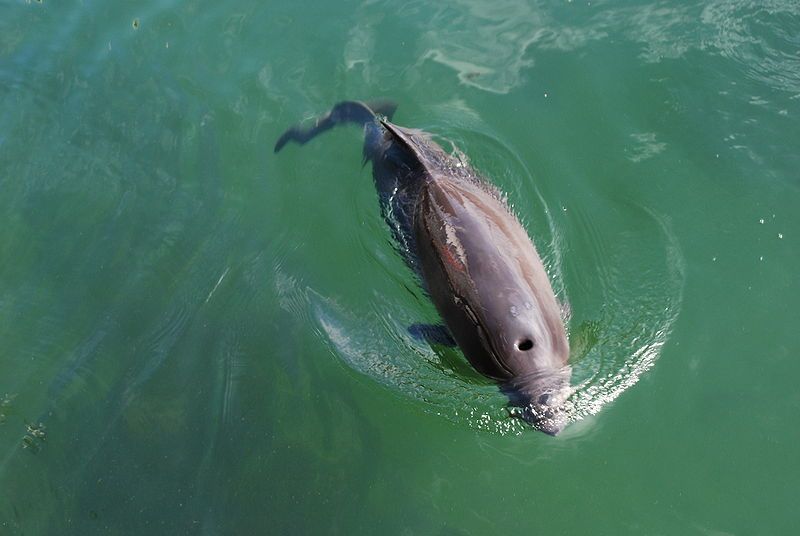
{"points": [[410, 140]]}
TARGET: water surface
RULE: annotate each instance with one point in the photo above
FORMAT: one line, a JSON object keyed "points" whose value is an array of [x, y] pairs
{"points": [[201, 337]]}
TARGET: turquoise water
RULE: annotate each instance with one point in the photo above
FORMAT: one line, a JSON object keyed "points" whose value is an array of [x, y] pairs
{"points": [[200, 337]]}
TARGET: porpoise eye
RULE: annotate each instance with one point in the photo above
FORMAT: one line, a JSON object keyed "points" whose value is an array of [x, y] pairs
{"points": [[524, 345]]}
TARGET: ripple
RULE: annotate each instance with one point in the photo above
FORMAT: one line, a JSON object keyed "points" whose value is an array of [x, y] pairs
{"points": [[488, 44], [760, 36], [491, 46], [638, 286], [645, 147], [627, 295]]}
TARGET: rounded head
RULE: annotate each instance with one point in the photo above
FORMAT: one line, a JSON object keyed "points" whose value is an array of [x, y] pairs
{"points": [[538, 399]]}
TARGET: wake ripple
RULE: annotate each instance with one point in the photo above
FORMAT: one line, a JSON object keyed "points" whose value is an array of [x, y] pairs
{"points": [[625, 293]]}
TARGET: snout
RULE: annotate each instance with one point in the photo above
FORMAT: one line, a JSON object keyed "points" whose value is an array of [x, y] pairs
{"points": [[538, 400], [547, 419]]}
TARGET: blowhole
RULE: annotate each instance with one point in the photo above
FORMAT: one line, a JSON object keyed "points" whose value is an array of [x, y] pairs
{"points": [[525, 345]]}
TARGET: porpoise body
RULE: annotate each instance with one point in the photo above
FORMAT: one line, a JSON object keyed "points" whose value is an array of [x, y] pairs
{"points": [[476, 261]]}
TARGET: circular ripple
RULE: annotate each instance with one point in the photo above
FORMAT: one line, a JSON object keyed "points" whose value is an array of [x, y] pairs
{"points": [[624, 270]]}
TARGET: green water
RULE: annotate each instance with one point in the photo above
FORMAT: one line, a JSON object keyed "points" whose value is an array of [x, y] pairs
{"points": [[200, 337]]}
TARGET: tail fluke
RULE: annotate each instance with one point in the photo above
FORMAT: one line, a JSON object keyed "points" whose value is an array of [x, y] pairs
{"points": [[356, 112]]}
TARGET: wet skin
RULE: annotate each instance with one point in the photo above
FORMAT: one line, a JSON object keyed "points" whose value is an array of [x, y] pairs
{"points": [[474, 259]]}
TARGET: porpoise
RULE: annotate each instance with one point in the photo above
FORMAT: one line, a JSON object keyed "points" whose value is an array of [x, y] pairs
{"points": [[475, 260]]}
